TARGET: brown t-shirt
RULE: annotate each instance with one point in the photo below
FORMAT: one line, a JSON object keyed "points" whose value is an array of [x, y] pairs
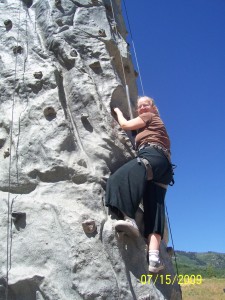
{"points": [[153, 132]]}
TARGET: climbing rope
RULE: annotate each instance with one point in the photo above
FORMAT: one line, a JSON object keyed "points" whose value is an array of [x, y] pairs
{"points": [[121, 59], [114, 19], [9, 208], [133, 45], [175, 258], [26, 93]]}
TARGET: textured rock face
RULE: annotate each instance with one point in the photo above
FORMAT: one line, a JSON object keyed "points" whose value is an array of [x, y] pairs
{"points": [[60, 64]]}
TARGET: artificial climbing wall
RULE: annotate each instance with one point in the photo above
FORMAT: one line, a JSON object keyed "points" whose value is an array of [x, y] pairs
{"points": [[63, 65]]}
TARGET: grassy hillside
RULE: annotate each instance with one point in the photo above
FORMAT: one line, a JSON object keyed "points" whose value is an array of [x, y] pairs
{"points": [[208, 264]]}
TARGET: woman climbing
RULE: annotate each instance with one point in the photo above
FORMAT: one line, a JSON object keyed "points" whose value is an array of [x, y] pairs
{"points": [[145, 177]]}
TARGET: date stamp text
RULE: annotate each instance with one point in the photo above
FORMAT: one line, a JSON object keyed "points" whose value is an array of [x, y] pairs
{"points": [[169, 279]]}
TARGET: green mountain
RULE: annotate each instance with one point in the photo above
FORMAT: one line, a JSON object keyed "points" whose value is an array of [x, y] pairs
{"points": [[207, 264]]}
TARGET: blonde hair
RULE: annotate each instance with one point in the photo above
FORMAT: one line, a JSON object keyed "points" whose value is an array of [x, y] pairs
{"points": [[151, 100]]}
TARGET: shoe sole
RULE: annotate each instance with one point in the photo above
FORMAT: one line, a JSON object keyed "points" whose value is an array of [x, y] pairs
{"points": [[127, 229], [155, 270]]}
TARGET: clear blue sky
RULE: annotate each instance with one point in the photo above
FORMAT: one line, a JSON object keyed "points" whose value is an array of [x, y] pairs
{"points": [[180, 46]]}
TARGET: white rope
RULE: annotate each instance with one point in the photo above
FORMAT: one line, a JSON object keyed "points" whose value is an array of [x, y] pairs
{"points": [[129, 105], [135, 54], [121, 59], [9, 229], [139, 71], [117, 44]]}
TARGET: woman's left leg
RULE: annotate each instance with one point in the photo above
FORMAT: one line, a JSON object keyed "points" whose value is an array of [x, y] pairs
{"points": [[154, 219], [125, 188]]}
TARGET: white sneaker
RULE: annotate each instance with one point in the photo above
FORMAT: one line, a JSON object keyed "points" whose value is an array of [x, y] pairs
{"points": [[127, 226]]}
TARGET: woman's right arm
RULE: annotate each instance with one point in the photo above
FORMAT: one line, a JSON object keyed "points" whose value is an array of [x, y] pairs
{"points": [[132, 124]]}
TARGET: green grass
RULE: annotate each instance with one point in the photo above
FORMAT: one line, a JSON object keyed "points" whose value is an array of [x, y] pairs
{"points": [[209, 289]]}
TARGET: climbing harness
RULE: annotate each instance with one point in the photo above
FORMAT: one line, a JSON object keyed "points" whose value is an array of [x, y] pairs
{"points": [[165, 151], [147, 167]]}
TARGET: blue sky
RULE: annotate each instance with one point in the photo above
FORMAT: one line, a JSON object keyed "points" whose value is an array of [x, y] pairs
{"points": [[180, 46]]}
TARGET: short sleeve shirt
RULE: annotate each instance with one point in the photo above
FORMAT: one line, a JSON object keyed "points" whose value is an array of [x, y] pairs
{"points": [[153, 132]]}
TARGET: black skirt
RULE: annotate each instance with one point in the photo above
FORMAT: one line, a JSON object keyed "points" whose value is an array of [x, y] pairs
{"points": [[129, 185]]}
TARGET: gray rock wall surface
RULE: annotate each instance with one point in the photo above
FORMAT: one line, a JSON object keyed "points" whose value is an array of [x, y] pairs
{"points": [[60, 66]]}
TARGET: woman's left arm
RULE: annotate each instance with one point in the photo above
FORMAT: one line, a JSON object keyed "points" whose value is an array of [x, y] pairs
{"points": [[132, 124]]}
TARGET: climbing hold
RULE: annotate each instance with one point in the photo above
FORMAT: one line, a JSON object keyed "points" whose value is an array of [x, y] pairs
{"points": [[38, 75], [49, 113], [89, 226], [17, 49], [57, 3], [16, 215], [3, 136], [28, 3], [35, 86], [122, 133], [59, 22], [81, 162], [6, 153], [102, 33], [63, 28], [123, 137], [73, 53], [95, 2], [96, 67], [2, 141], [84, 116], [95, 64], [8, 24]]}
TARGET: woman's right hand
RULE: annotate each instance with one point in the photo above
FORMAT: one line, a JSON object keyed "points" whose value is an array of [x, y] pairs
{"points": [[117, 110]]}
